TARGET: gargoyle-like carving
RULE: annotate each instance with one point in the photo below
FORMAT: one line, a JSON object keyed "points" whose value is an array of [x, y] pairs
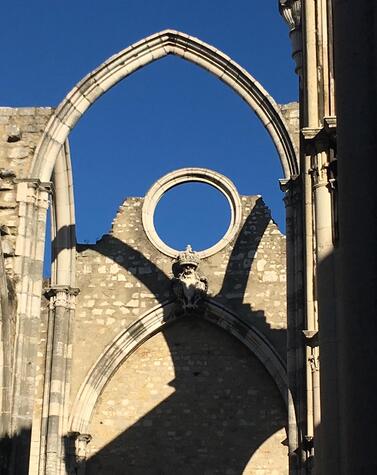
{"points": [[189, 287]]}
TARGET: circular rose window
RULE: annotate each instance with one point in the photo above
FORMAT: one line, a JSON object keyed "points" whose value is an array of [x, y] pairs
{"points": [[230, 215]]}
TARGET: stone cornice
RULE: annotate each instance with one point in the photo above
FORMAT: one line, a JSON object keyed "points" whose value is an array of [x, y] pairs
{"points": [[53, 290], [36, 183], [319, 139]]}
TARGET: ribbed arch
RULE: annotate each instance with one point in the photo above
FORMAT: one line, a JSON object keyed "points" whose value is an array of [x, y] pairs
{"points": [[146, 51]]}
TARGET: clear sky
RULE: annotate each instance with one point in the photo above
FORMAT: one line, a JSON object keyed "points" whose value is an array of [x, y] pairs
{"points": [[168, 115]]}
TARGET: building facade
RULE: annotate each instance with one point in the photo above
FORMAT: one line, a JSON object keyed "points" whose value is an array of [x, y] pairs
{"points": [[120, 350]]}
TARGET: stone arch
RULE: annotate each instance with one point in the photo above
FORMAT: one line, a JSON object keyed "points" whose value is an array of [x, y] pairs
{"points": [[150, 49], [63, 236], [149, 324]]}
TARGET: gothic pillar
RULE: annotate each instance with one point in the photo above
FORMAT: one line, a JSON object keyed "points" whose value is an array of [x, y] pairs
{"points": [[56, 389], [295, 300], [33, 200], [318, 143]]}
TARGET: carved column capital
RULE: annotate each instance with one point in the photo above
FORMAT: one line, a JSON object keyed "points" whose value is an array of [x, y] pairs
{"points": [[292, 189], [320, 144], [290, 10], [81, 444], [79, 447], [33, 191], [319, 139], [62, 296], [35, 183]]}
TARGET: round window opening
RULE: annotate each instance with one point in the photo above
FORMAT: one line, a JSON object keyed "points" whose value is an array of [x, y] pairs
{"points": [[192, 213], [191, 217]]}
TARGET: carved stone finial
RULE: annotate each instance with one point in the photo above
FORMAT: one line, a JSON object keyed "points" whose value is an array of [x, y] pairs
{"points": [[188, 286]]}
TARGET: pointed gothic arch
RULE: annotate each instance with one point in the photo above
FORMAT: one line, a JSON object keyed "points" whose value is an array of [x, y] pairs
{"points": [[152, 322], [52, 157], [146, 51]]}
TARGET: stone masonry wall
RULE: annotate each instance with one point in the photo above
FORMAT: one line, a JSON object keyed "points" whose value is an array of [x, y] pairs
{"points": [[123, 275], [191, 400], [20, 132], [291, 114]]}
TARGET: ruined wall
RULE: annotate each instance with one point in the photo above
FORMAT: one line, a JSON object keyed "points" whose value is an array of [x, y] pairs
{"points": [[20, 131], [123, 275], [191, 400], [120, 278], [291, 114]]}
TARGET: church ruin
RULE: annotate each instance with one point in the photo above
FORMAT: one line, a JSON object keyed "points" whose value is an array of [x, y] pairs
{"points": [[248, 357]]}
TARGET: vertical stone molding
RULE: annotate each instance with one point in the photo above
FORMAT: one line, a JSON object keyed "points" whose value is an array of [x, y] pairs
{"points": [[5, 341], [32, 200], [318, 144], [56, 388], [295, 300]]}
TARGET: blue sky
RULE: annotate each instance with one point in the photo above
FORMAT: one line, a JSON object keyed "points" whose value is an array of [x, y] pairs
{"points": [[168, 115]]}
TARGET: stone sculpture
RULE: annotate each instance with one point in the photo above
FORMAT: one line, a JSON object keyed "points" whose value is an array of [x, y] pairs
{"points": [[188, 286]]}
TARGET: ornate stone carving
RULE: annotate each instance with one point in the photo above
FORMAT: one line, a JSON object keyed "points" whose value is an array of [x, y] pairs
{"points": [[290, 10], [188, 286], [61, 296], [82, 440]]}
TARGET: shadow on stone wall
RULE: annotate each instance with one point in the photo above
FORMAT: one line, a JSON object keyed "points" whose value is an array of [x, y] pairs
{"points": [[223, 408], [237, 274], [229, 414], [14, 453]]}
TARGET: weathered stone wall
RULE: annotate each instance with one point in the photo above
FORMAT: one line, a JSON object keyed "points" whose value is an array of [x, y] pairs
{"points": [[191, 400], [233, 414], [123, 275], [20, 132], [120, 278], [291, 114]]}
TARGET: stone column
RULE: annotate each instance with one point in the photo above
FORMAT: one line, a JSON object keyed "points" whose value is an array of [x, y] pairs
{"points": [[356, 100], [56, 390], [318, 146], [295, 300], [33, 200]]}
